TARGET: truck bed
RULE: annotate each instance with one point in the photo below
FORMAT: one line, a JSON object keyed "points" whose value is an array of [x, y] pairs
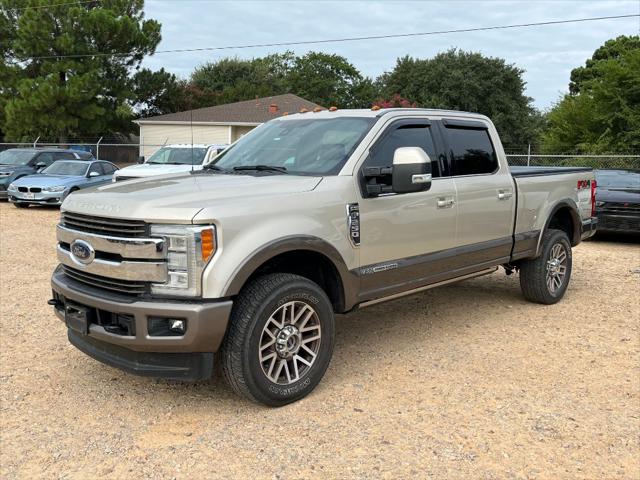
{"points": [[535, 171]]}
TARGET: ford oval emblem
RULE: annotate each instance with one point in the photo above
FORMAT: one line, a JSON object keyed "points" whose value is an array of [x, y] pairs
{"points": [[82, 252]]}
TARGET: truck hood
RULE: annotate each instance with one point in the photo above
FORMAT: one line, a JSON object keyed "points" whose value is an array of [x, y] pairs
{"points": [[148, 170], [177, 199]]}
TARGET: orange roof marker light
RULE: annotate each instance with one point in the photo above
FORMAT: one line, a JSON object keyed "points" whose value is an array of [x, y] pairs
{"points": [[284, 114], [375, 108], [317, 109], [333, 109], [303, 110]]}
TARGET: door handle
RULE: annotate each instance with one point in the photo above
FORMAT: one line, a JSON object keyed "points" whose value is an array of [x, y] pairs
{"points": [[504, 194], [445, 202]]}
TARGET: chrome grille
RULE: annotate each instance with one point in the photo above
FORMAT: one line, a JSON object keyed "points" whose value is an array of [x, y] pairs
{"points": [[126, 287], [105, 226]]}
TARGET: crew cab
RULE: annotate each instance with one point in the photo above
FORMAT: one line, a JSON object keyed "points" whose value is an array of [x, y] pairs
{"points": [[307, 216], [171, 159]]}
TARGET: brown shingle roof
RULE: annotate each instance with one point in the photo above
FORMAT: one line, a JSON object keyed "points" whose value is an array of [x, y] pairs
{"points": [[249, 111]]}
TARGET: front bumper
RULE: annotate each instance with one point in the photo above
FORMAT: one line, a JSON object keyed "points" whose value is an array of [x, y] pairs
{"points": [[589, 228], [183, 357], [619, 223], [40, 198]]}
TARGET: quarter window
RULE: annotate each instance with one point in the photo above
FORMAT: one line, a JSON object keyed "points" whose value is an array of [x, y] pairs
{"points": [[471, 151], [408, 135]]}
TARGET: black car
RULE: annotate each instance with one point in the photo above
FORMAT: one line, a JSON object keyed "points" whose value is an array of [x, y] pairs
{"points": [[18, 162], [618, 201]]}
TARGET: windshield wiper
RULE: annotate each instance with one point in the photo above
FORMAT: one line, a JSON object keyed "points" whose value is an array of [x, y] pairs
{"points": [[261, 168]]}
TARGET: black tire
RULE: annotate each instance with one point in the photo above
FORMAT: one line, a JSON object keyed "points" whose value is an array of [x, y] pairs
{"points": [[533, 273], [252, 309]]}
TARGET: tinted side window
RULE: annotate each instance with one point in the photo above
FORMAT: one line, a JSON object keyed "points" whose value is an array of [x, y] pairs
{"points": [[108, 168], [471, 151], [64, 156], [47, 158], [96, 167], [409, 135]]}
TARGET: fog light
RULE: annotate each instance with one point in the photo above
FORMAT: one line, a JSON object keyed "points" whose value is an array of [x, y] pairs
{"points": [[177, 326], [166, 327]]}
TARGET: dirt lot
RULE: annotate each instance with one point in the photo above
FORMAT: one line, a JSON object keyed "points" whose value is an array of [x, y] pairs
{"points": [[466, 381]]}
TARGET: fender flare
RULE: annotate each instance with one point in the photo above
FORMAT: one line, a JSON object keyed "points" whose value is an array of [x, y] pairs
{"points": [[575, 220], [277, 247]]}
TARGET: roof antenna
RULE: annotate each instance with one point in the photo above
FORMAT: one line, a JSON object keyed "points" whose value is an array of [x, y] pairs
{"points": [[191, 126]]}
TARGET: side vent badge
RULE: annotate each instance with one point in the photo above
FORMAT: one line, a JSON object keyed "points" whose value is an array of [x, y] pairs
{"points": [[353, 223]]}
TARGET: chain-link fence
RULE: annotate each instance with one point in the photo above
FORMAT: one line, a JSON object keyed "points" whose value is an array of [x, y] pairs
{"points": [[123, 154]]}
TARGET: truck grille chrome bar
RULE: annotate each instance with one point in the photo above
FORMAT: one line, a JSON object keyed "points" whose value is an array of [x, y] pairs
{"points": [[124, 270], [147, 248], [97, 281], [104, 226]]}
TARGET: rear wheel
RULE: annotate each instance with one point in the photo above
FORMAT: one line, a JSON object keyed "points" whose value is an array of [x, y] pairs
{"points": [[280, 339], [545, 279]]}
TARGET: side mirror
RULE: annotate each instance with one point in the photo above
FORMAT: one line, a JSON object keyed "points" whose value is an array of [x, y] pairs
{"points": [[94, 174], [141, 159], [40, 166], [411, 170]]}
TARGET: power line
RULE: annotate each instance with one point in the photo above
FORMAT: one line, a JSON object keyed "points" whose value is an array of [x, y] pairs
{"points": [[347, 39], [36, 7]]}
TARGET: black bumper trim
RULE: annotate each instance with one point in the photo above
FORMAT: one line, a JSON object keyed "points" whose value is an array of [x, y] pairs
{"points": [[174, 366], [589, 228]]}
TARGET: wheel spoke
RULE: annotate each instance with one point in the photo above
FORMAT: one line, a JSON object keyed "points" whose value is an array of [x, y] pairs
{"points": [[284, 353]]}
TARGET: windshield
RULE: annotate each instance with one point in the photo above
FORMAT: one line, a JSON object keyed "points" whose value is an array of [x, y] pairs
{"points": [[16, 157], [304, 147], [67, 168], [178, 156], [618, 179]]}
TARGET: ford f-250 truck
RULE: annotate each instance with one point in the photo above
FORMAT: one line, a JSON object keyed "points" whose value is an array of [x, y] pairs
{"points": [[308, 216]]}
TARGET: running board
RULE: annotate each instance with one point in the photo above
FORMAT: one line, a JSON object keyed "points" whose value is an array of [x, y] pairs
{"points": [[486, 271]]}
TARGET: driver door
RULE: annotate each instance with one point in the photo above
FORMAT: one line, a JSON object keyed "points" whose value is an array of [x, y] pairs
{"points": [[404, 236]]}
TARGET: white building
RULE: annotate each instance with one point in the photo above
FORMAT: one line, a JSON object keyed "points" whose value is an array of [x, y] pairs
{"points": [[215, 125]]}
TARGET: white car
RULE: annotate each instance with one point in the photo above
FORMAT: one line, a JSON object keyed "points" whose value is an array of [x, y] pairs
{"points": [[171, 159]]}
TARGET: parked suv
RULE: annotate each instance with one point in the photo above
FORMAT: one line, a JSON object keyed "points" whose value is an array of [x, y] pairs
{"points": [[171, 159], [18, 162], [308, 216]]}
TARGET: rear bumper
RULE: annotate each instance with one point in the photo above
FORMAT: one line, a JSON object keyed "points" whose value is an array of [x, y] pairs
{"points": [[589, 228]]}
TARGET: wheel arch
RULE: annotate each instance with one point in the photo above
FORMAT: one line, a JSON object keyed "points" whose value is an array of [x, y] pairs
{"points": [[563, 216], [308, 256]]}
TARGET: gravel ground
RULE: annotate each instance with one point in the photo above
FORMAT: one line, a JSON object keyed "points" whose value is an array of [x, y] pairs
{"points": [[465, 381]]}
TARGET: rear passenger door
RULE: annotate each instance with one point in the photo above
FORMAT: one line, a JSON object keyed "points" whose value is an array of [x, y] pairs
{"points": [[485, 191]]}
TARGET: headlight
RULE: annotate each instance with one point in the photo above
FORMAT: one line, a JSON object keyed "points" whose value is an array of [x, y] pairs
{"points": [[189, 249], [12, 188], [5, 174], [58, 188]]}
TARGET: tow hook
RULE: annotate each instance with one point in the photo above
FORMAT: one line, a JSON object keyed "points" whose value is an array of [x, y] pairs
{"points": [[55, 303]]}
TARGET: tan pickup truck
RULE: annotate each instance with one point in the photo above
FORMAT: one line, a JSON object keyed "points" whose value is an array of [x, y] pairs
{"points": [[308, 216]]}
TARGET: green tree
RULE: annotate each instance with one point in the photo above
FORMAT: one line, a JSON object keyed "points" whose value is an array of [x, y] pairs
{"points": [[321, 78], [329, 80], [603, 113], [61, 97], [468, 81]]}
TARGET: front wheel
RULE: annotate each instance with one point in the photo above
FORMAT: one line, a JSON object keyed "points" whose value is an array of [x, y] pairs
{"points": [[545, 279], [280, 339]]}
